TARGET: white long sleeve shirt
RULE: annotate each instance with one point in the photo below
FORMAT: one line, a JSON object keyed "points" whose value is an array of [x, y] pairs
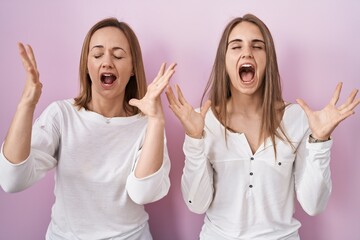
{"points": [[251, 196], [97, 195]]}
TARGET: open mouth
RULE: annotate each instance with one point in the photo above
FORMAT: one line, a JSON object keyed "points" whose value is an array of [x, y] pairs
{"points": [[107, 78], [247, 72]]}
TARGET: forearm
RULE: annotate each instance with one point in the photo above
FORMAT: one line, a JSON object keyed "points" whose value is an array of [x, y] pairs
{"points": [[18, 140], [197, 188], [313, 178], [152, 153], [197, 179]]}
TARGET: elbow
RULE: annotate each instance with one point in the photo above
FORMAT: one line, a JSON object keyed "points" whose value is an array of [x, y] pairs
{"points": [[317, 205], [197, 203], [14, 184], [195, 209], [140, 199], [143, 196], [12, 188], [198, 206], [314, 210]]}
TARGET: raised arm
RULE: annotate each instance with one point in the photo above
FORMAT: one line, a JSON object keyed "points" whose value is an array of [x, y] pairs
{"points": [[312, 166], [152, 153], [17, 143], [197, 178]]}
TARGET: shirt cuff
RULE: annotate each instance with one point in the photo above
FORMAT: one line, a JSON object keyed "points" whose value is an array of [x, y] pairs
{"points": [[148, 189], [193, 145], [6, 162], [319, 145]]}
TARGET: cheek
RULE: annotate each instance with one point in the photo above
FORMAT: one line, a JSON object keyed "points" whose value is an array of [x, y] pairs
{"points": [[230, 64], [124, 68], [91, 69], [261, 65], [261, 73], [263, 60]]}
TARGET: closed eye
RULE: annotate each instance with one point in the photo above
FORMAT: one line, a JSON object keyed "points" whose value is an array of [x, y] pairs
{"points": [[258, 44]]}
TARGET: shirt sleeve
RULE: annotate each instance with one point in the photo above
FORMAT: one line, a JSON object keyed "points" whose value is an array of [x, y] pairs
{"points": [[197, 179], [44, 144], [151, 188], [312, 175]]}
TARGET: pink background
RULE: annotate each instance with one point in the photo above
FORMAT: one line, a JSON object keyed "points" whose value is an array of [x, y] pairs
{"points": [[318, 45]]}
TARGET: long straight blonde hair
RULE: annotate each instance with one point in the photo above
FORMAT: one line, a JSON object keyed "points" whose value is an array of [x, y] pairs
{"points": [[218, 86]]}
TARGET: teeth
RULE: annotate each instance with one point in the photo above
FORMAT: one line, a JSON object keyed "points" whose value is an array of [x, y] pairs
{"points": [[107, 74], [246, 65]]}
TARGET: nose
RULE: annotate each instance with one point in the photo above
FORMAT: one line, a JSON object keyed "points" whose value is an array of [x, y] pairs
{"points": [[107, 61], [247, 53]]}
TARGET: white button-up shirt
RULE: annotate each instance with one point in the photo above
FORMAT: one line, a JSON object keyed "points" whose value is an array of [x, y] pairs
{"points": [[251, 196]]}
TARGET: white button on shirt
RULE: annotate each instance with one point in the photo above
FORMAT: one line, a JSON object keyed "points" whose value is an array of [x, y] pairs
{"points": [[251, 196]]}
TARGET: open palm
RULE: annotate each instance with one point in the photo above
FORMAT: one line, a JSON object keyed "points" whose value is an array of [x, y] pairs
{"points": [[150, 104], [322, 123], [32, 90], [192, 121]]}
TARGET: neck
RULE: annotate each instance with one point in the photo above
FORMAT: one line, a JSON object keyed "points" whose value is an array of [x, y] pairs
{"points": [[107, 108], [247, 105]]}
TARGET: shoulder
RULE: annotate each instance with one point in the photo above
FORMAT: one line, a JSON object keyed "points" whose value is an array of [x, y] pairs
{"points": [[65, 106], [65, 103], [293, 111], [58, 108]]}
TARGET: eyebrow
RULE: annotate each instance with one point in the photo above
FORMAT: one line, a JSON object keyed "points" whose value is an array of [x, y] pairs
{"points": [[114, 48], [240, 40]]}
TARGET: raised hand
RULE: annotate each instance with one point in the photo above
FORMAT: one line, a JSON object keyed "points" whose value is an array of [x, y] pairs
{"points": [[322, 123], [32, 90], [18, 139], [150, 104], [192, 121]]}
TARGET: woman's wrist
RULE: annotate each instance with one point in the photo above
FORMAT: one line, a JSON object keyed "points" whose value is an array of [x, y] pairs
{"points": [[313, 139]]}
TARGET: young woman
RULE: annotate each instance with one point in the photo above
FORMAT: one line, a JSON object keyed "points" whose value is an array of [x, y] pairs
{"points": [[107, 144], [248, 152]]}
